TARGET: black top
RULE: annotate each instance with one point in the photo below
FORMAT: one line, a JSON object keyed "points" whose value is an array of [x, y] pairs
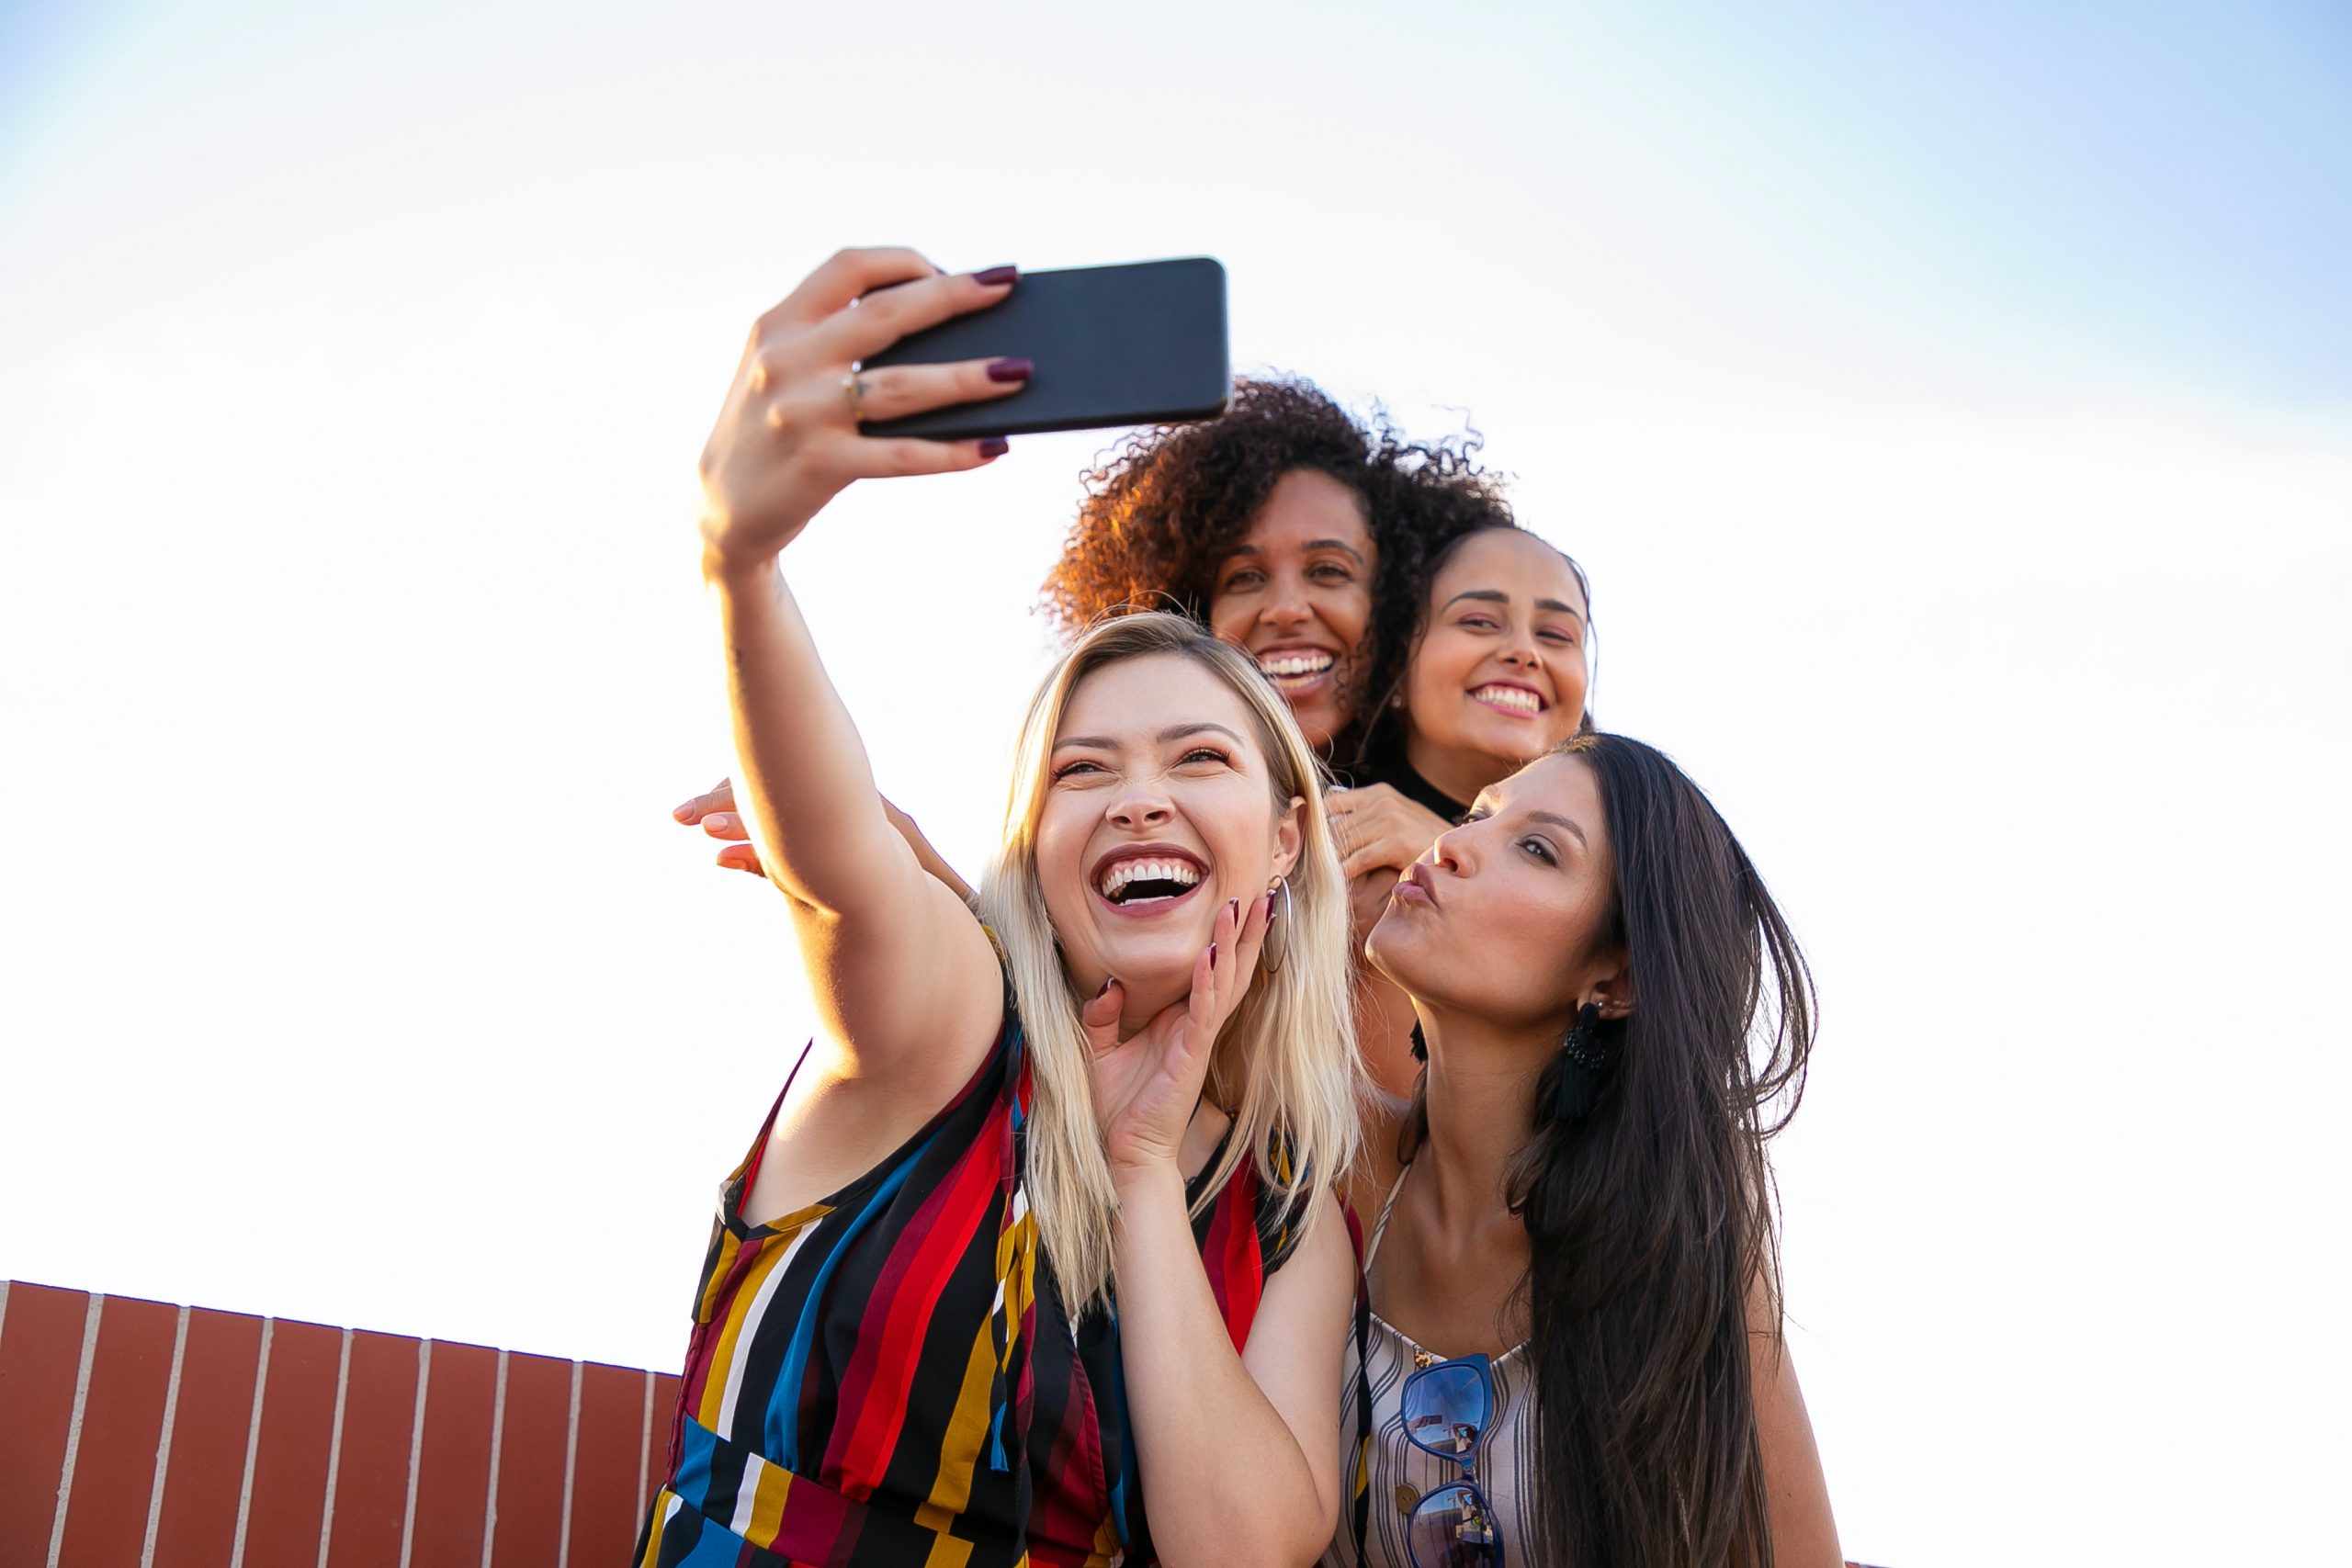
{"points": [[1384, 761]]}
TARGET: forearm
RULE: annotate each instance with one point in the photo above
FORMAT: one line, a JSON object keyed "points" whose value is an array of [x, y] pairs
{"points": [[1224, 1477], [803, 781]]}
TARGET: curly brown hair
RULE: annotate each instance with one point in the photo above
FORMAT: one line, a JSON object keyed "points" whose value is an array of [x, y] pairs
{"points": [[1167, 506]]}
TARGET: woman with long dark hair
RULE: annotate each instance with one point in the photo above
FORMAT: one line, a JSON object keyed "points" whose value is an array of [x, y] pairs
{"points": [[1572, 1354]]}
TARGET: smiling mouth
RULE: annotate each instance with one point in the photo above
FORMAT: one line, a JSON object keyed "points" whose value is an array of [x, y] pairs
{"points": [[1296, 669], [1517, 700], [1147, 885]]}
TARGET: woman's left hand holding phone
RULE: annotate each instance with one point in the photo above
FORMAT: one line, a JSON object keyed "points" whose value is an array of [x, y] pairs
{"points": [[788, 442], [867, 914]]}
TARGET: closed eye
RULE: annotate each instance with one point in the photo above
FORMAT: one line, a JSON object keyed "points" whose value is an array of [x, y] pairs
{"points": [[1203, 754], [1071, 770]]}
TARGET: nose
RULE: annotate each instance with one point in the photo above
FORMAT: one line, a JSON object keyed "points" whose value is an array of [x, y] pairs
{"points": [[1446, 853], [1287, 606], [1140, 809], [1519, 649]]}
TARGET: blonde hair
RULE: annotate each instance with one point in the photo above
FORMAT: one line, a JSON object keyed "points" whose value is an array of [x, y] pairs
{"points": [[1285, 1066]]}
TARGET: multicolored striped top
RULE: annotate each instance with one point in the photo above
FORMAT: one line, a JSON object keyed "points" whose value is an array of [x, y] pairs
{"points": [[888, 1375]]}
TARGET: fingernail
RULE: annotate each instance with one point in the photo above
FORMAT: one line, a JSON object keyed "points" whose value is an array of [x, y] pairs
{"points": [[1106, 987], [1212, 955], [1270, 906], [1011, 369], [684, 813], [1233, 906], [719, 820], [996, 277], [994, 446]]}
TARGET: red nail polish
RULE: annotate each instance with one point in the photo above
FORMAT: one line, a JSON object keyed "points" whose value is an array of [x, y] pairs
{"points": [[996, 277], [1234, 906], [1106, 987], [994, 446], [1011, 369], [1212, 955]]}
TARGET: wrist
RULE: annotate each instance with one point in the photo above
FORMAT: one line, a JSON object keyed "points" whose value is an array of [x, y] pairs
{"points": [[1141, 1177], [734, 574]]}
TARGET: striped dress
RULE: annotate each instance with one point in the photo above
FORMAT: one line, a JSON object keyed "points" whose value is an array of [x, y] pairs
{"points": [[888, 1376], [1389, 1472]]}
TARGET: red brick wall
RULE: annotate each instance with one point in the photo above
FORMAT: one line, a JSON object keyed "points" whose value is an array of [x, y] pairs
{"points": [[135, 1433]]}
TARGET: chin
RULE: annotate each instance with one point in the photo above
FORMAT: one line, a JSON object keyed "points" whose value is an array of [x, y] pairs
{"points": [[1319, 723], [1143, 958], [1393, 946]]}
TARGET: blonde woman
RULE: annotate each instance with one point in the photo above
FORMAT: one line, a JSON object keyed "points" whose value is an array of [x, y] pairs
{"points": [[1040, 1233]]}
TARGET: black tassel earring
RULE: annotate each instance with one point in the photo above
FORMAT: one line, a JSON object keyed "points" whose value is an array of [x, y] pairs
{"points": [[1586, 1062]]}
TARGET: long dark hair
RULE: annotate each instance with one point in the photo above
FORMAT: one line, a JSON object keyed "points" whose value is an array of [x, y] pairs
{"points": [[1650, 1220]]}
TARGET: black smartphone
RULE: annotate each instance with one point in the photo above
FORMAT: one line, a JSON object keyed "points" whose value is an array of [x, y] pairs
{"points": [[1137, 345]]}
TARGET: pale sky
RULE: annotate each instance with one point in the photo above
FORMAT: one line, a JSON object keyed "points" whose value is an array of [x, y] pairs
{"points": [[1952, 405]]}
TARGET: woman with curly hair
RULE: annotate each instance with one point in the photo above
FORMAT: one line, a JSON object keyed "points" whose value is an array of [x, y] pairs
{"points": [[1292, 529], [1426, 645]]}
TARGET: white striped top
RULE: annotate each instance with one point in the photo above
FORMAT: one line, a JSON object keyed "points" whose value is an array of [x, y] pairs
{"points": [[1400, 1472]]}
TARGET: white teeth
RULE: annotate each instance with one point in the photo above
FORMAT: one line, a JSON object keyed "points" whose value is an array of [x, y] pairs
{"points": [[1298, 663], [1182, 873], [1511, 698]]}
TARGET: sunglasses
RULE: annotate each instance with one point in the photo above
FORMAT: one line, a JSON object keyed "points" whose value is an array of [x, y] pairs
{"points": [[1447, 1407]]}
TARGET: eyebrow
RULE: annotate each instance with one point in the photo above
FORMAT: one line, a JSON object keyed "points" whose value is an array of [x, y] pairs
{"points": [[1497, 596], [1557, 820], [1173, 732], [1340, 545]]}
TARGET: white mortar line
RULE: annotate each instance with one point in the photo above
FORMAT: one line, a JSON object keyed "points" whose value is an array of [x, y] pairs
{"points": [[497, 1445], [164, 1443], [415, 1445], [73, 1430], [334, 1449], [571, 1456], [252, 1445], [644, 1445]]}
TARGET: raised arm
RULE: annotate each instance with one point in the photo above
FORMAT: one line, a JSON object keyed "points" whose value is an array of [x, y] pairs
{"points": [[867, 915]]}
